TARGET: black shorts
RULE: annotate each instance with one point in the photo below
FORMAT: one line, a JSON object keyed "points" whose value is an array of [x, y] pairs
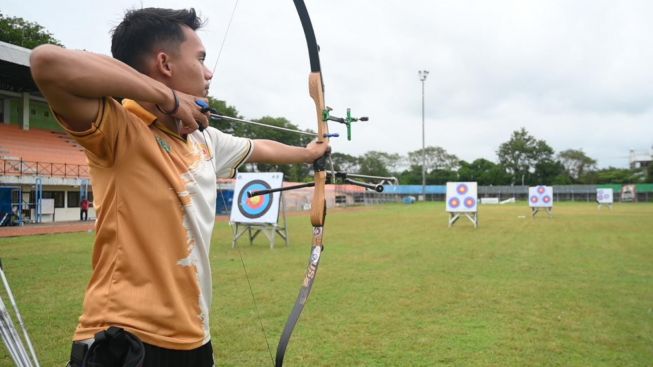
{"points": [[161, 357]]}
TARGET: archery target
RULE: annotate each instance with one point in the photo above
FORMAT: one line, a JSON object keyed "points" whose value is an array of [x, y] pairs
{"points": [[604, 196], [540, 196], [255, 206], [462, 197], [257, 209]]}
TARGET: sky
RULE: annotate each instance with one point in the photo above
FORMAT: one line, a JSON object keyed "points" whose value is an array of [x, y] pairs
{"points": [[573, 73]]}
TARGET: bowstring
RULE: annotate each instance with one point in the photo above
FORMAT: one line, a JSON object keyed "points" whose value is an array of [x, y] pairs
{"points": [[224, 39], [224, 201], [249, 283]]}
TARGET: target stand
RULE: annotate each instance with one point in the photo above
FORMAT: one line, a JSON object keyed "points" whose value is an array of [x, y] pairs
{"points": [[549, 211], [259, 214], [473, 217], [541, 198], [462, 200], [270, 230]]}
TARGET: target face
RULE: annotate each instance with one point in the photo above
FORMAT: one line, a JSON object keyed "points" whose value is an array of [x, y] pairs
{"points": [[454, 202], [470, 202], [257, 209], [462, 197], [540, 196], [462, 189], [256, 206], [604, 196]]}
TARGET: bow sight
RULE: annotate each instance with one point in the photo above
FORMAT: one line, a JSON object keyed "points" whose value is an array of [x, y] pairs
{"points": [[326, 116]]}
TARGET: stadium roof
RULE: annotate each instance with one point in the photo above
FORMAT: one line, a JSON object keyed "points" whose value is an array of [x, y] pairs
{"points": [[15, 75]]}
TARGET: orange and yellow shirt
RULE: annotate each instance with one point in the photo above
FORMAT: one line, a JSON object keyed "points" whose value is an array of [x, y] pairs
{"points": [[155, 196]]}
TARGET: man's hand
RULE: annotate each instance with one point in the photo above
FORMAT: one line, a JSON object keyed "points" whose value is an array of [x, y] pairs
{"points": [[317, 150], [188, 114]]}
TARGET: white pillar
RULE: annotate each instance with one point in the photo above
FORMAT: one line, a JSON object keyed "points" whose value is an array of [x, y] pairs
{"points": [[26, 111], [6, 110]]}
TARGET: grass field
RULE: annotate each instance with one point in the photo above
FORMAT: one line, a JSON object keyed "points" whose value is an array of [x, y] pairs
{"points": [[396, 287]]}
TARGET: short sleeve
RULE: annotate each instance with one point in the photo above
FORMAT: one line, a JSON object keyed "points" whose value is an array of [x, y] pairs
{"points": [[99, 140], [229, 152]]}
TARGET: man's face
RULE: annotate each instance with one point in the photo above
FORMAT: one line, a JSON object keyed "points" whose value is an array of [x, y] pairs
{"points": [[190, 75]]}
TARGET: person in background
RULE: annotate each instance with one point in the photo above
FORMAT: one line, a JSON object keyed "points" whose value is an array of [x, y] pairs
{"points": [[83, 209]]}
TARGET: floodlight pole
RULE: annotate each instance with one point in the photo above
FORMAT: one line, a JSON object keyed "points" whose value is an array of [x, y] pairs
{"points": [[422, 77]]}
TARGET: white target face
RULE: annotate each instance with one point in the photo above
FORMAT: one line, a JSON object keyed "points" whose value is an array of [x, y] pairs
{"points": [[604, 196], [257, 209], [462, 197], [540, 197]]}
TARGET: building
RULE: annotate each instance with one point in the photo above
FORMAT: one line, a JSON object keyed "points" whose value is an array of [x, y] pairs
{"points": [[640, 159], [43, 172]]}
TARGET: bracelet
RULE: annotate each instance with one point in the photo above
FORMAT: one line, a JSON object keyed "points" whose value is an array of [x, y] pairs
{"points": [[174, 110]]}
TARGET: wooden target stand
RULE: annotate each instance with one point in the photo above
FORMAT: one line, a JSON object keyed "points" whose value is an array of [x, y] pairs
{"points": [[269, 230], [609, 205], [548, 210], [472, 216]]}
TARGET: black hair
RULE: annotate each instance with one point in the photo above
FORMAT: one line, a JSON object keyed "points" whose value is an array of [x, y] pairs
{"points": [[144, 30]]}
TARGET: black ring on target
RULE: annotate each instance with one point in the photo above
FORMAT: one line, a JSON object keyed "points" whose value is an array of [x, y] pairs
{"points": [[257, 206]]}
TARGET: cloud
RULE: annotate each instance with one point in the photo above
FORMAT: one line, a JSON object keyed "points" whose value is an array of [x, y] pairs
{"points": [[574, 73]]}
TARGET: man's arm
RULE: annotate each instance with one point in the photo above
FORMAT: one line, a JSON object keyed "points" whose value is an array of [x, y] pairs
{"points": [[270, 151], [73, 81]]}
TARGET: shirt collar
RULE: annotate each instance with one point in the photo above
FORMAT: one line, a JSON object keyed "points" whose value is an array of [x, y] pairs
{"points": [[132, 106], [146, 116]]}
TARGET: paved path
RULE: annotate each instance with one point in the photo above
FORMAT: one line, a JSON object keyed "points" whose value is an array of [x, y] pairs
{"points": [[78, 226], [47, 228], [59, 227]]}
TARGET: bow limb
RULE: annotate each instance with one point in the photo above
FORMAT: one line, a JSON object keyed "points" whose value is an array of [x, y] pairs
{"points": [[318, 207]]}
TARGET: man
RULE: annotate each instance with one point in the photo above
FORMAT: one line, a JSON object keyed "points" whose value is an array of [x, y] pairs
{"points": [[83, 209], [154, 181]]}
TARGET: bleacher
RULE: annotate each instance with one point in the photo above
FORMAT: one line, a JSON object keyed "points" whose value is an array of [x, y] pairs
{"points": [[41, 152]]}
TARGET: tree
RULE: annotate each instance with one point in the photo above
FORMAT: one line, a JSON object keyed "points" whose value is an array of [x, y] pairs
{"points": [[434, 157], [345, 162], [548, 172], [576, 163], [484, 172], [521, 154], [441, 176], [374, 163], [411, 176], [617, 176], [23, 33]]}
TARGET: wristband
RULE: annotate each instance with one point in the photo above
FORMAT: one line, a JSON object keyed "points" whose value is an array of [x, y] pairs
{"points": [[174, 110]]}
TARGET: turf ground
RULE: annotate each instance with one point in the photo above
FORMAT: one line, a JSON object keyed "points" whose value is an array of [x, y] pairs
{"points": [[396, 287]]}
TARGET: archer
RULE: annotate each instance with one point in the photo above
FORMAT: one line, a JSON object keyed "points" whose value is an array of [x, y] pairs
{"points": [[154, 177]]}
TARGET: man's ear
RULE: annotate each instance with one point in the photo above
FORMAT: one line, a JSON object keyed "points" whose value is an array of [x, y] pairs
{"points": [[163, 64]]}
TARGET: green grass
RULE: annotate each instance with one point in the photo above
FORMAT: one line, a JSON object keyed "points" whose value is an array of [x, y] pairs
{"points": [[396, 287]]}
